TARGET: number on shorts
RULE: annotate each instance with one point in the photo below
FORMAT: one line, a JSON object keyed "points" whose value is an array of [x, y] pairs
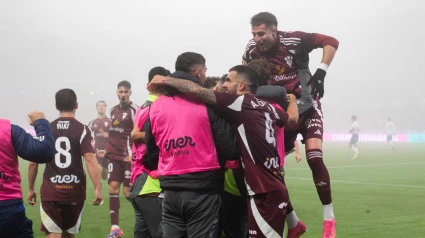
{"points": [[269, 130], [110, 167], [63, 151]]}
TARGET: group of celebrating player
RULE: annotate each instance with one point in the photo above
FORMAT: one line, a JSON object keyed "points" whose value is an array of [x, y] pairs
{"points": [[193, 161]]}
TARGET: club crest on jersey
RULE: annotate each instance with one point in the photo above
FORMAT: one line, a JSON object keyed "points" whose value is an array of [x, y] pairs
{"points": [[106, 123], [116, 122], [279, 69], [288, 60], [124, 115], [62, 125]]}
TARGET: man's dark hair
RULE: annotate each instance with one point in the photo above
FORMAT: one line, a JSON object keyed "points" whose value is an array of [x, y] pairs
{"points": [[124, 84], [263, 69], [264, 18], [66, 99], [249, 76], [222, 79], [354, 117], [157, 71], [187, 61], [101, 101], [211, 82]]}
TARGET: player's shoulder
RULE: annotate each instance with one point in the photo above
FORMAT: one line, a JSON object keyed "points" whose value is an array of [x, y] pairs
{"points": [[290, 37], [114, 108], [133, 106]]}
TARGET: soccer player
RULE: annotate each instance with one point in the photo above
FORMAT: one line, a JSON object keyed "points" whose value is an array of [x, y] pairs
{"points": [[63, 190], [355, 128], [390, 130], [14, 142], [295, 227], [282, 50], [118, 153], [220, 82], [145, 188], [100, 128], [193, 144], [253, 119]]}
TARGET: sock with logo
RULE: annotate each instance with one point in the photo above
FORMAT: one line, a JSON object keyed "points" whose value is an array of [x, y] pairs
{"points": [[320, 175], [328, 212], [114, 208]]}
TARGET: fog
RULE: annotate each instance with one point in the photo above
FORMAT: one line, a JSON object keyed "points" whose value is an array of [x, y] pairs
{"points": [[90, 46]]}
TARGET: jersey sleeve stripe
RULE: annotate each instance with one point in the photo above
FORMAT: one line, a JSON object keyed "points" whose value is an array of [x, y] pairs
{"points": [[237, 104], [83, 135], [242, 134]]}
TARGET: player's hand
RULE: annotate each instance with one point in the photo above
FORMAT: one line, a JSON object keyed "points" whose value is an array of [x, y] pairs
{"points": [[156, 81], [101, 153], [298, 158], [32, 197], [318, 81], [291, 97], [98, 197], [34, 116]]}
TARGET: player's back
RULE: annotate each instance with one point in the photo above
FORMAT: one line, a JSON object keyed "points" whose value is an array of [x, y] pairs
{"points": [[390, 128], [355, 127], [64, 177]]}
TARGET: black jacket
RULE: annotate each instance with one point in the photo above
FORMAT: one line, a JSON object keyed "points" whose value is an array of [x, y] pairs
{"points": [[225, 142]]}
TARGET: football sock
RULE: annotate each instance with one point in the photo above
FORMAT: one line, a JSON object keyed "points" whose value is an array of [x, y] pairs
{"points": [[328, 212], [114, 208], [320, 175]]}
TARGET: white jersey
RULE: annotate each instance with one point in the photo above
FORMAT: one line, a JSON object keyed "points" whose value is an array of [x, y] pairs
{"points": [[355, 128], [390, 128]]}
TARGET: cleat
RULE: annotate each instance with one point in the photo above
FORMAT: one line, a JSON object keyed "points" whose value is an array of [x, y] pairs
{"points": [[115, 233], [297, 231], [329, 229]]}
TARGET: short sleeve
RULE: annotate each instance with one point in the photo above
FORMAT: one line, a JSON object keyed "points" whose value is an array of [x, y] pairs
{"points": [[86, 141], [229, 105]]}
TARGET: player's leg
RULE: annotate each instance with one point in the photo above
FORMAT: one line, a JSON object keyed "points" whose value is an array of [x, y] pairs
{"points": [[312, 135], [151, 210], [51, 219], [71, 223], [126, 180], [67, 235], [115, 178], [202, 209], [267, 214], [234, 215], [141, 228], [173, 224]]}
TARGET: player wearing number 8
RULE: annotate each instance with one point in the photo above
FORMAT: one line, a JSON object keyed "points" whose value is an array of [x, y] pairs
{"points": [[63, 190]]}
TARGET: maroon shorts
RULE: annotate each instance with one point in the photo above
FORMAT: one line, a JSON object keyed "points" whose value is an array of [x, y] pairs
{"points": [[58, 217], [119, 171], [267, 214], [310, 125]]}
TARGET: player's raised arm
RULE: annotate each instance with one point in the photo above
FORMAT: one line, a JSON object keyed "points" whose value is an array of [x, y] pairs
{"points": [[186, 87], [39, 149], [32, 175]]}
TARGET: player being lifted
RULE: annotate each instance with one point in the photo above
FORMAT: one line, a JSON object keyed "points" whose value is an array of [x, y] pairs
{"points": [[100, 128], [118, 152], [63, 190], [390, 130], [355, 128], [283, 50]]}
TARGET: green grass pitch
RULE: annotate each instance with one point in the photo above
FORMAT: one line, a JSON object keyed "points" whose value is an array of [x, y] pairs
{"points": [[381, 194]]}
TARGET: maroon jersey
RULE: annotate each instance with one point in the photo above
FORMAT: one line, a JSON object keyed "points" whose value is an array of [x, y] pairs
{"points": [[99, 126], [119, 140], [64, 178], [284, 69], [254, 121]]}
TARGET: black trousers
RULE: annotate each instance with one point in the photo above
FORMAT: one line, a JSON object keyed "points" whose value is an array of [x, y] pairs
{"points": [[234, 215], [190, 213], [148, 211]]}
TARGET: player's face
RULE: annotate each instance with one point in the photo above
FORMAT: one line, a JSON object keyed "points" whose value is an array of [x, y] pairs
{"points": [[123, 94], [232, 82], [101, 108], [265, 37], [219, 87]]}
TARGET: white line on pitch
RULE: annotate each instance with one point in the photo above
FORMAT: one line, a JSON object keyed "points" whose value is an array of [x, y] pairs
{"points": [[352, 182], [360, 165]]}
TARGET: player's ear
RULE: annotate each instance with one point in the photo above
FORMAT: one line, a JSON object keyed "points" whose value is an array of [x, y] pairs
{"points": [[76, 106], [129, 92]]}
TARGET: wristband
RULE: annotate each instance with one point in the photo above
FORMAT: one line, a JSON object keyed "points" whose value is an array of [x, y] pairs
{"points": [[324, 66]]}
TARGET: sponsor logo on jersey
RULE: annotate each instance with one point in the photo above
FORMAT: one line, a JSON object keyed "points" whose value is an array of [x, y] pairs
{"points": [[279, 69], [177, 145], [116, 122], [65, 179]]}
